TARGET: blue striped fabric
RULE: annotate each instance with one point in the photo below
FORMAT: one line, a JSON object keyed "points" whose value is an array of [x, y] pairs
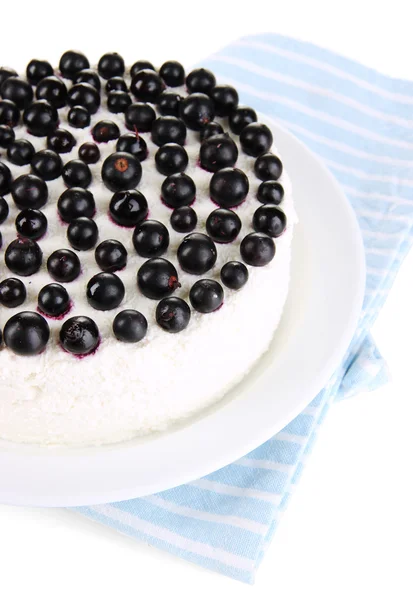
{"points": [[360, 123]]}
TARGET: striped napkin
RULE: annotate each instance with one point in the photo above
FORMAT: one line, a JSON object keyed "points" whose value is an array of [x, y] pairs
{"points": [[360, 123]]}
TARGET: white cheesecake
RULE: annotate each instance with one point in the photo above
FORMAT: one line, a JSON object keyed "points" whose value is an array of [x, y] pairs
{"points": [[121, 390]]}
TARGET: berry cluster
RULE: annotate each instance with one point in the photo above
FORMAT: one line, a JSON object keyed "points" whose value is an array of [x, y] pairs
{"points": [[151, 103]]}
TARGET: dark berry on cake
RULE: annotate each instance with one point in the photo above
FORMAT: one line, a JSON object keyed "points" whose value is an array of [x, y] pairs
{"points": [[76, 174], [53, 300], [4, 210], [269, 219], [23, 257], [134, 144], [118, 102], [229, 187], [76, 202], [5, 73], [121, 171], [111, 65], [223, 225], [71, 62], [255, 139], [12, 292], [37, 70], [197, 110], [151, 239], [173, 73], [116, 84], [18, 91], [169, 103], [63, 266], [157, 278], [88, 76], [206, 295], [61, 141], [40, 118], [5, 178], [111, 256], [20, 152], [9, 113], [78, 117], [130, 326], [183, 219], [270, 192], [104, 131], [168, 129], [210, 129], [140, 117], [26, 333], [268, 167], [257, 249], [234, 275], [200, 80], [82, 233], [29, 191], [7, 136], [79, 336], [47, 164], [217, 152], [178, 190], [140, 65], [225, 99], [86, 95], [173, 314], [89, 153], [128, 208], [171, 158], [147, 86], [197, 253], [52, 89], [105, 291], [31, 223], [240, 118]]}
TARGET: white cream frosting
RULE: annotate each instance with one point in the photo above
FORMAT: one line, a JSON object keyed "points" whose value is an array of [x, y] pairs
{"points": [[125, 390]]}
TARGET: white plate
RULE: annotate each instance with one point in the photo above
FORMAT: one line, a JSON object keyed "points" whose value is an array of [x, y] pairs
{"points": [[324, 303]]}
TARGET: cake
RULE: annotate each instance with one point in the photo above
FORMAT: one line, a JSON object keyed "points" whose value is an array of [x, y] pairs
{"points": [[145, 238]]}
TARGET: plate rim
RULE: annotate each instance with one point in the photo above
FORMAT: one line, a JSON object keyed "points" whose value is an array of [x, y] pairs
{"points": [[36, 460]]}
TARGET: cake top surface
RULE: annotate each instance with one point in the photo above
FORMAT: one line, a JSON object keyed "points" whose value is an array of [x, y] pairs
{"points": [[132, 201]]}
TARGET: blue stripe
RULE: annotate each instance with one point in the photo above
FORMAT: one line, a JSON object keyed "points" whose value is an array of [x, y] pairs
{"points": [[240, 476], [254, 509], [301, 425], [286, 452], [380, 261]]}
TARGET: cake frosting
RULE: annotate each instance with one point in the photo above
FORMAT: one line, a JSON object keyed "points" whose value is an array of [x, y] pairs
{"points": [[125, 390]]}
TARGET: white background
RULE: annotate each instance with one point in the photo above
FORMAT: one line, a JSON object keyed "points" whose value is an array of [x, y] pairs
{"points": [[347, 532]]}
